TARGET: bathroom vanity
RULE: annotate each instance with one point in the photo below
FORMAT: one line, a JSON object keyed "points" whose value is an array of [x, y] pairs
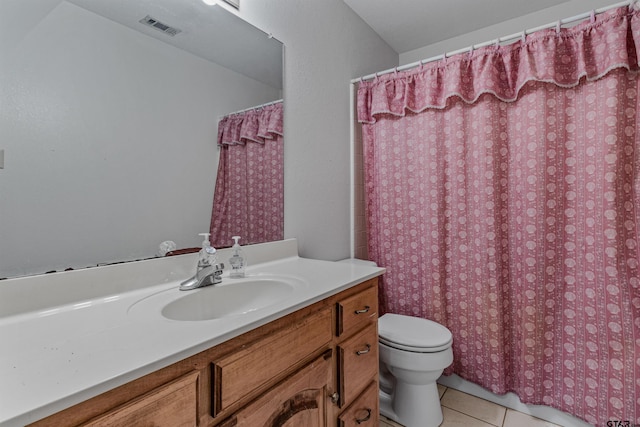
{"points": [[309, 357]]}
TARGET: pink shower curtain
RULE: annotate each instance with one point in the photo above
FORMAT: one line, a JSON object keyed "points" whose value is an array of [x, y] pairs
{"points": [[249, 192], [503, 197]]}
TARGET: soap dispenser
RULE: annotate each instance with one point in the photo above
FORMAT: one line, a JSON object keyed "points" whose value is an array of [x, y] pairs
{"points": [[208, 272], [207, 255], [237, 260]]}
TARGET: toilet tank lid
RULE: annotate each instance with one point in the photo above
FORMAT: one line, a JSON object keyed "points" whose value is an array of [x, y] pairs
{"points": [[412, 331]]}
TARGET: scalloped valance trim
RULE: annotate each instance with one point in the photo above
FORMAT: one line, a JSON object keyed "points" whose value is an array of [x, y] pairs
{"points": [[258, 125], [589, 50]]}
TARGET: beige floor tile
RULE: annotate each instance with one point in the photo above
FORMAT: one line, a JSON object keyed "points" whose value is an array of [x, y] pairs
{"points": [[441, 390], [458, 419], [518, 419], [473, 406]]}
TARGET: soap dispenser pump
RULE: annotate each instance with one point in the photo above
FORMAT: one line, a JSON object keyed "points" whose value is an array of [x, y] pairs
{"points": [[237, 260], [207, 255]]}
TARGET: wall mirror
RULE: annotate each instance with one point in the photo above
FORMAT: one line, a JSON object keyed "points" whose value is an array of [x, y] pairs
{"points": [[108, 124]]}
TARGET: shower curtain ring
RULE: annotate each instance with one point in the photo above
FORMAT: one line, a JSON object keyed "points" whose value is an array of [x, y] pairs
{"points": [[593, 16], [558, 27]]}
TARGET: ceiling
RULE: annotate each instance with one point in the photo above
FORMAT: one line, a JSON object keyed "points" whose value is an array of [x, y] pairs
{"points": [[210, 32], [410, 24]]}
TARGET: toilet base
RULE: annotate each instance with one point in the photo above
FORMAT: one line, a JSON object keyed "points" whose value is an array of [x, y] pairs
{"points": [[385, 407], [413, 405]]}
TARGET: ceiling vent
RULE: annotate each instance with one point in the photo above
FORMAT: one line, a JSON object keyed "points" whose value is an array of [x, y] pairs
{"points": [[147, 20]]}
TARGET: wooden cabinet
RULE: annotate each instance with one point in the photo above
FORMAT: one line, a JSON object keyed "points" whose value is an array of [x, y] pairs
{"points": [[173, 404], [363, 411], [356, 311], [235, 374], [300, 400], [357, 357], [357, 363], [315, 367]]}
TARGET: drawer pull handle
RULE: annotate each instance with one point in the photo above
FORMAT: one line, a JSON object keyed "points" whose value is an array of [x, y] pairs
{"points": [[366, 418], [335, 397], [361, 352], [364, 310]]}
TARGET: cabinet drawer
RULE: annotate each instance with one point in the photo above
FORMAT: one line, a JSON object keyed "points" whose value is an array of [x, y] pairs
{"points": [[174, 404], [249, 368], [356, 311], [357, 363], [364, 411]]}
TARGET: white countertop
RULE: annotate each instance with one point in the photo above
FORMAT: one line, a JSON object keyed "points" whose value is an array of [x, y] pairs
{"points": [[55, 356]]}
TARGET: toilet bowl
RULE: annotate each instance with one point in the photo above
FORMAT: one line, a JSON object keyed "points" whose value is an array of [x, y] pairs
{"points": [[413, 354]]}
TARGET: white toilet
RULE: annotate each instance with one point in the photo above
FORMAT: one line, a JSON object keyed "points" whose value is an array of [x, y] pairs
{"points": [[413, 354]]}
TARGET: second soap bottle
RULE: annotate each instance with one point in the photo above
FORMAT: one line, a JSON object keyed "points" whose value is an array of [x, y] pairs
{"points": [[238, 260]]}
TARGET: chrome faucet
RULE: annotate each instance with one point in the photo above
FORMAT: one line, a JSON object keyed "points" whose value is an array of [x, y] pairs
{"points": [[205, 276]]}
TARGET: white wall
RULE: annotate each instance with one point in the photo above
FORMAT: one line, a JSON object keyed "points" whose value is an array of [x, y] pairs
{"points": [[108, 133], [327, 45], [512, 26]]}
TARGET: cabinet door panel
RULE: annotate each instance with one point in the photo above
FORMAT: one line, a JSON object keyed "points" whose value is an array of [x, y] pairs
{"points": [[172, 405], [297, 401], [240, 373]]}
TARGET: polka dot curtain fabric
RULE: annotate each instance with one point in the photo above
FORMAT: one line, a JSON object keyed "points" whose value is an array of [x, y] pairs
{"points": [[249, 192], [516, 224]]}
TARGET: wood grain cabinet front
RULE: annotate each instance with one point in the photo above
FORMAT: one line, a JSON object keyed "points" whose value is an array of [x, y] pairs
{"points": [[357, 356], [240, 372], [356, 311], [363, 411], [172, 405], [300, 400], [357, 363]]}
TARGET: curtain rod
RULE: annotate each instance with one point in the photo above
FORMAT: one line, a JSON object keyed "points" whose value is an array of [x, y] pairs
{"points": [[266, 104], [520, 35]]}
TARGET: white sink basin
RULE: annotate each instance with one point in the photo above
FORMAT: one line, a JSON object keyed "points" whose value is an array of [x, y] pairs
{"points": [[232, 297]]}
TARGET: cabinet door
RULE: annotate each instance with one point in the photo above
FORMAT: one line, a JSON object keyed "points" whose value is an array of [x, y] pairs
{"points": [[300, 400], [241, 372], [173, 405], [364, 411]]}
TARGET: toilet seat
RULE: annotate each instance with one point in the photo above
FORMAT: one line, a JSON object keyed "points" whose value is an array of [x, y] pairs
{"points": [[413, 334]]}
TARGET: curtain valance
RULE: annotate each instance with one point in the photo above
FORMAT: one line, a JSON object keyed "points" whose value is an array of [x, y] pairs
{"points": [[257, 125], [560, 56]]}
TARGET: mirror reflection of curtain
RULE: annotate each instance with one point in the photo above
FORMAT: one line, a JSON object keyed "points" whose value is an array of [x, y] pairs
{"points": [[249, 194]]}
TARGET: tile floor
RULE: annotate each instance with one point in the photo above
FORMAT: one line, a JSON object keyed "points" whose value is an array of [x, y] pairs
{"points": [[465, 410]]}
